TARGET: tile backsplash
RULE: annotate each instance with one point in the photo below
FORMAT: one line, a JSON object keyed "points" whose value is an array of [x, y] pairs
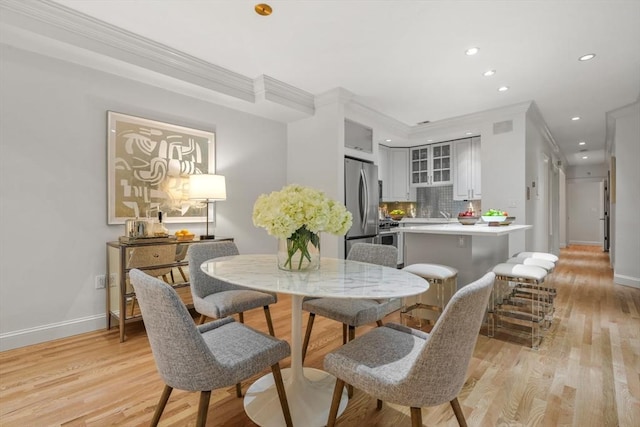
{"points": [[430, 201]]}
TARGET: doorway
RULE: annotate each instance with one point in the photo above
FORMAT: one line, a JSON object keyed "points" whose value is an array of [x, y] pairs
{"points": [[585, 208]]}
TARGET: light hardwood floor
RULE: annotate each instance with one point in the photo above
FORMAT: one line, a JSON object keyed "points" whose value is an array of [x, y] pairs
{"points": [[586, 372]]}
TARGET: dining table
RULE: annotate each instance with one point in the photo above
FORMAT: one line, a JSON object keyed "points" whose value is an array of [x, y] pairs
{"points": [[309, 390]]}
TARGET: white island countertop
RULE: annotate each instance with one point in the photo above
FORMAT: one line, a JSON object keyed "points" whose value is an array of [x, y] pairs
{"points": [[465, 230]]}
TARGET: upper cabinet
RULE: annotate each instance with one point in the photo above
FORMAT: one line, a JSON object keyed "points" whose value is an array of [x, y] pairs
{"points": [[358, 137], [431, 165], [394, 173], [466, 180], [384, 171]]}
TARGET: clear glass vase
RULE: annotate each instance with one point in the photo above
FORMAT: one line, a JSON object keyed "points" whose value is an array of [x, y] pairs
{"points": [[300, 252]]}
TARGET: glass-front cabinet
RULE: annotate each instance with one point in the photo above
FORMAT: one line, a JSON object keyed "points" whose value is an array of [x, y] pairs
{"points": [[164, 258], [431, 165]]}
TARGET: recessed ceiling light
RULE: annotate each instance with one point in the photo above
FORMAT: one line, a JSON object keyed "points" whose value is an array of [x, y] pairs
{"points": [[581, 143], [472, 51], [489, 73], [263, 9], [585, 157], [468, 133], [587, 57], [429, 140], [387, 140], [503, 88], [576, 118]]}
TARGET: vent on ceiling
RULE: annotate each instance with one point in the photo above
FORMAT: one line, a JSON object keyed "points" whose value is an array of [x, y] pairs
{"points": [[424, 123], [503, 127]]}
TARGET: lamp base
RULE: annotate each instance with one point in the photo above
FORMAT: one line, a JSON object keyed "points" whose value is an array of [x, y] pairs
{"points": [[207, 237]]}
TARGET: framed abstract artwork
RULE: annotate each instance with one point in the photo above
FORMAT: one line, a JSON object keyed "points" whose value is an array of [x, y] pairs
{"points": [[149, 164]]}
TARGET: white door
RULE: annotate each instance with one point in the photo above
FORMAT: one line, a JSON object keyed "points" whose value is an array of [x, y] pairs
{"points": [[584, 203]]}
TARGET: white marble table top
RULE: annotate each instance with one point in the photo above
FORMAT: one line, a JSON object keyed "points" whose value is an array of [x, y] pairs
{"points": [[336, 278], [465, 230]]}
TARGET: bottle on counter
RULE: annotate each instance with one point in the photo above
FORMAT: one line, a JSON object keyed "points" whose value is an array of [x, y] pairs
{"points": [[159, 230]]}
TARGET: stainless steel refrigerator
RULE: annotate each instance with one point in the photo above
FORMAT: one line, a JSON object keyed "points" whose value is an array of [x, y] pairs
{"points": [[361, 199]]}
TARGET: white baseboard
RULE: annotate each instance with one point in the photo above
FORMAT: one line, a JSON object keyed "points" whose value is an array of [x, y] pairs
{"points": [[39, 334], [620, 279]]}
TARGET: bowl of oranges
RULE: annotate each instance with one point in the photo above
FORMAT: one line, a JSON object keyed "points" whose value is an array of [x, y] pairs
{"points": [[184, 235]]}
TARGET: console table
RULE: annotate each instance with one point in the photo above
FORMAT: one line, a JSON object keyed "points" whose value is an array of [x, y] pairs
{"points": [[157, 256]]}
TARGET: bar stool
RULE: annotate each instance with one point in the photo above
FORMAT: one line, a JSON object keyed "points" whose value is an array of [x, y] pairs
{"points": [[442, 277], [549, 266], [538, 255], [504, 309]]}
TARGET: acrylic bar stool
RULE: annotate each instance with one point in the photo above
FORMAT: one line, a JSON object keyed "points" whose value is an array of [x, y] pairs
{"points": [[502, 309], [538, 255], [441, 277], [549, 266]]}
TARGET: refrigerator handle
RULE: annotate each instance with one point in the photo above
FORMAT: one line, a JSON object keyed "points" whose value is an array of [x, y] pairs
{"points": [[364, 199]]}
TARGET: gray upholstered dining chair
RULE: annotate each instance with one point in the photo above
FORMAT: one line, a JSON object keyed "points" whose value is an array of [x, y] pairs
{"points": [[355, 312], [205, 357], [409, 367], [215, 298]]}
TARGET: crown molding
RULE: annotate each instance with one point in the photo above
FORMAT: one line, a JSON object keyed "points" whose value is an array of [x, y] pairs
{"points": [[334, 96], [269, 89], [54, 23], [59, 22]]}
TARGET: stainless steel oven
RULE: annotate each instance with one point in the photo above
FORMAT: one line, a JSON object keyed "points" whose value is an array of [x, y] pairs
{"points": [[388, 238]]}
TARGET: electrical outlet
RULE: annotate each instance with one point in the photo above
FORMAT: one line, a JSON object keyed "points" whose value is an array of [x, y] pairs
{"points": [[100, 281]]}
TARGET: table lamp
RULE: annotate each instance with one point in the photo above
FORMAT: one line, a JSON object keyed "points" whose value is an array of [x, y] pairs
{"points": [[209, 188]]}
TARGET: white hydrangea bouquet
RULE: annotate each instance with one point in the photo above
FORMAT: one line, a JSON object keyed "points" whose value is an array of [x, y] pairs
{"points": [[295, 215]]}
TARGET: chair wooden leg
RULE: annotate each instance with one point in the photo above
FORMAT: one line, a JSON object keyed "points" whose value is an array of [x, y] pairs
{"points": [[416, 417], [335, 402], [267, 314], [203, 408], [379, 404], [239, 390], [241, 317], [184, 276], [284, 403], [133, 304], [307, 335], [379, 323], [458, 411], [345, 337], [352, 336], [161, 404], [202, 319]]}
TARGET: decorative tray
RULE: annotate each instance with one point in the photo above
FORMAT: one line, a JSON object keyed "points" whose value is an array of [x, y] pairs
{"points": [[127, 239]]}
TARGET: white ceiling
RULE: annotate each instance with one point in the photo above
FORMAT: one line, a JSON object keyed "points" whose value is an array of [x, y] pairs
{"points": [[406, 58]]}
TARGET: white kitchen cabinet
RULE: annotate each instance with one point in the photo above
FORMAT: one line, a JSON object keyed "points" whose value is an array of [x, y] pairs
{"points": [[466, 176], [400, 190], [384, 171], [358, 137], [393, 170], [431, 165]]}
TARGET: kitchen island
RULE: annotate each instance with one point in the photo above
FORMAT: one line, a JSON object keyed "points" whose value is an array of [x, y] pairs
{"points": [[471, 249]]}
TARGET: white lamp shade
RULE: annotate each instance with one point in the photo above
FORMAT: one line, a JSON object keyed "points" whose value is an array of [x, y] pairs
{"points": [[207, 187]]}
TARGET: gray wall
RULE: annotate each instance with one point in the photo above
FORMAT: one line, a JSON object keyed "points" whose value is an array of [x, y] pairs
{"points": [[53, 184], [626, 204]]}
